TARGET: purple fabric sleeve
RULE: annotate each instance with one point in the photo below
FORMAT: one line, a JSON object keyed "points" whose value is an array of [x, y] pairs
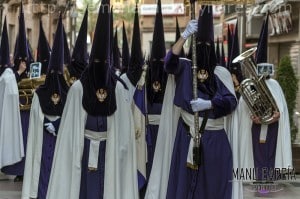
{"points": [[172, 65], [223, 102]]}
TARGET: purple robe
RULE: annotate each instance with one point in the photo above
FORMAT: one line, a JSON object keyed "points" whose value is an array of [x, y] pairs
{"points": [[17, 169], [48, 147], [151, 135], [213, 178], [264, 153], [92, 182], [151, 131]]}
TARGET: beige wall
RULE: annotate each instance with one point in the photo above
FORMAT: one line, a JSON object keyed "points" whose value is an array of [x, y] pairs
{"points": [[32, 14]]}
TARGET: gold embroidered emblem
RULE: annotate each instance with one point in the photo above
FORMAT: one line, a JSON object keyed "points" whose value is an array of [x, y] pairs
{"points": [[156, 86], [202, 75], [55, 98], [101, 94]]}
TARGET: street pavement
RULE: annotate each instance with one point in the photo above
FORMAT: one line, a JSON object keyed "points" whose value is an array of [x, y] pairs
{"points": [[286, 189]]}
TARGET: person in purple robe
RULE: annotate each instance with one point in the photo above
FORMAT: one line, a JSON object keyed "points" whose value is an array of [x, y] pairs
{"points": [[46, 110], [270, 144], [174, 172], [264, 152], [95, 152], [156, 85], [23, 58], [11, 138]]}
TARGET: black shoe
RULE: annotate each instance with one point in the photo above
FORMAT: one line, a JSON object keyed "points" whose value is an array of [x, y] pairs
{"points": [[18, 179]]}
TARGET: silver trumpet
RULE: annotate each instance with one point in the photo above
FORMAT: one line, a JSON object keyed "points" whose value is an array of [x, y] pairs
{"points": [[254, 90]]}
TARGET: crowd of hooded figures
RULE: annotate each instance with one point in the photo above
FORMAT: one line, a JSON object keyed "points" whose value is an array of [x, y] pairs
{"points": [[120, 125]]}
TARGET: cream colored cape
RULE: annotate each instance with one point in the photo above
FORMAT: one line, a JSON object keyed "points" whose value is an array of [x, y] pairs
{"points": [[11, 137]]}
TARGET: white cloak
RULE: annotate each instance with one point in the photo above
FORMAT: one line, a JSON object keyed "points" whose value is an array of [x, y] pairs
{"points": [[283, 157], [120, 162], [34, 149], [139, 127], [158, 181], [11, 137]]}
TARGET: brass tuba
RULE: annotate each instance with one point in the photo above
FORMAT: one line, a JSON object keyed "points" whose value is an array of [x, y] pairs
{"points": [[254, 90], [27, 87]]}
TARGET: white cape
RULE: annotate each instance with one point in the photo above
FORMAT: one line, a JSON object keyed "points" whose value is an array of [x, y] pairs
{"points": [[11, 137], [283, 157], [140, 129], [120, 162], [158, 182]]}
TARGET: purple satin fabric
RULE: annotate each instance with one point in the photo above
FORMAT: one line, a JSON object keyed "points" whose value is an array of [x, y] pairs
{"points": [[92, 182], [48, 147], [18, 168], [264, 153]]}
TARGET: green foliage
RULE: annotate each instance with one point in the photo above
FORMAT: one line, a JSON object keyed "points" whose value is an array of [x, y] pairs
{"points": [[126, 14], [92, 6], [289, 84]]}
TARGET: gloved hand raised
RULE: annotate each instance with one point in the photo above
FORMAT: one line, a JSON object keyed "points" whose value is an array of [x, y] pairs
{"points": [[200, 104], [190, 29], [50, 128]]}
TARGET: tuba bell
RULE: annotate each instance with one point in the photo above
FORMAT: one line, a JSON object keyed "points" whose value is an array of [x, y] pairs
{"points": [[27, 87], [254, 90]]}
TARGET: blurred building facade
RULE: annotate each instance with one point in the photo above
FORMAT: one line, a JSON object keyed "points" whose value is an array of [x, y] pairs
{"points": [[34, 10]]}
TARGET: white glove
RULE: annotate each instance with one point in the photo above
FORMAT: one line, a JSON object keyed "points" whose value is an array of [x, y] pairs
{"points": [[200, 104], [50, 128], [190, 29]]}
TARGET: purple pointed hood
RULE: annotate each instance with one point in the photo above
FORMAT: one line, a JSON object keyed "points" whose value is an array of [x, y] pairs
{"points": [[222, 58], [205, 48], [99, 80], [125, 51], [4, 49], [53, 93], [116, 53], [43, 50], [79, 60], [229, 46], [235, 68], [136, 60], [262, 45], [22, 51], [157, 77]]}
